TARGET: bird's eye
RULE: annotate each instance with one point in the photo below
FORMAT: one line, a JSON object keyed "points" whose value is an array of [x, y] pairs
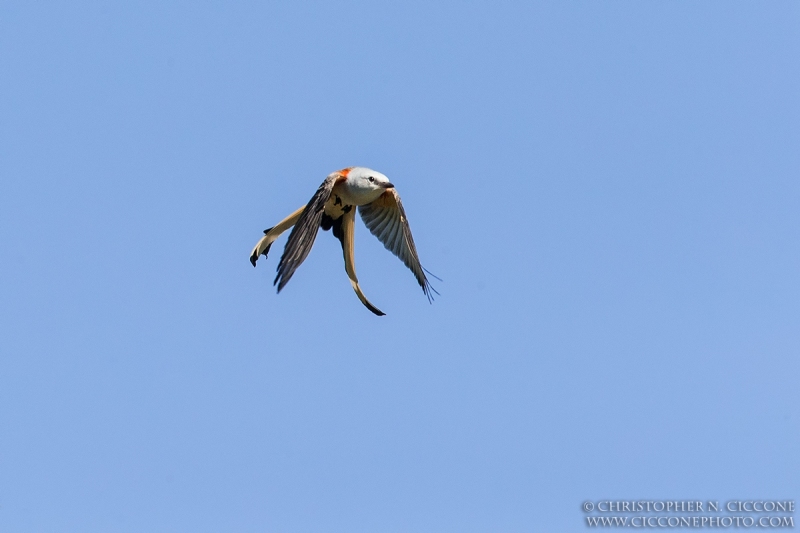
{"points": [[371, 178]]}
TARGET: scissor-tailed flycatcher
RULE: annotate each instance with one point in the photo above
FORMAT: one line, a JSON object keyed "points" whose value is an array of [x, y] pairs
{"points": [[332, 207]]}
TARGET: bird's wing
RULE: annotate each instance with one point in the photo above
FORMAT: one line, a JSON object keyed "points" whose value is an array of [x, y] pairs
{"points": [[305, 232], [387, 220], [348, 225]]}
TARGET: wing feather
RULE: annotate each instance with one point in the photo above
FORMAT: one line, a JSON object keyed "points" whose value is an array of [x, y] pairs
{"points": [[389, 221], [304, 232], [393, 235], [369, 215], [386, 219], [383, 230], [381, 220]]}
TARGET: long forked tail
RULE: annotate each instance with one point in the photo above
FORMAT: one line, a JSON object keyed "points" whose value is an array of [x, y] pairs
{"points": [[345, 234], [271, 235]]}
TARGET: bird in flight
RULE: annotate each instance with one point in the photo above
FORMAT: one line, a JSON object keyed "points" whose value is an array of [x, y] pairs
{"points": [[332, 207]]}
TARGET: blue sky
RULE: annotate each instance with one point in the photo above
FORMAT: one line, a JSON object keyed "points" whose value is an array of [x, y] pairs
{"points": [[609, 191]]}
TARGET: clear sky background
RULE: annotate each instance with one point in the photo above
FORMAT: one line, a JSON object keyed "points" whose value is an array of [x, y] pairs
{"points": [[609, 190]]}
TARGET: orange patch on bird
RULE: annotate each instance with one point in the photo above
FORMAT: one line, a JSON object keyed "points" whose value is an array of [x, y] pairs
{"points": [[345, 171]]}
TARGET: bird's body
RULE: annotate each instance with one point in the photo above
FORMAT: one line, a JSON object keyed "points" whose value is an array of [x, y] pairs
{"points": [[333, 207], [357, 188]]}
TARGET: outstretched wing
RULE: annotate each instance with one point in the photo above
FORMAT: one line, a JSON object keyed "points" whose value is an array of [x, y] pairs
{"points": [[387, 220], [304, 232]]}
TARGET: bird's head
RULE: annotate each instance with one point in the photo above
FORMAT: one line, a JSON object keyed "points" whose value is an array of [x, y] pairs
{"points": [[367, 179]]}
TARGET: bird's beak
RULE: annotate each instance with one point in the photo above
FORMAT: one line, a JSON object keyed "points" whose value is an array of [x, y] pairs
{"points": [[388, 186]]}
